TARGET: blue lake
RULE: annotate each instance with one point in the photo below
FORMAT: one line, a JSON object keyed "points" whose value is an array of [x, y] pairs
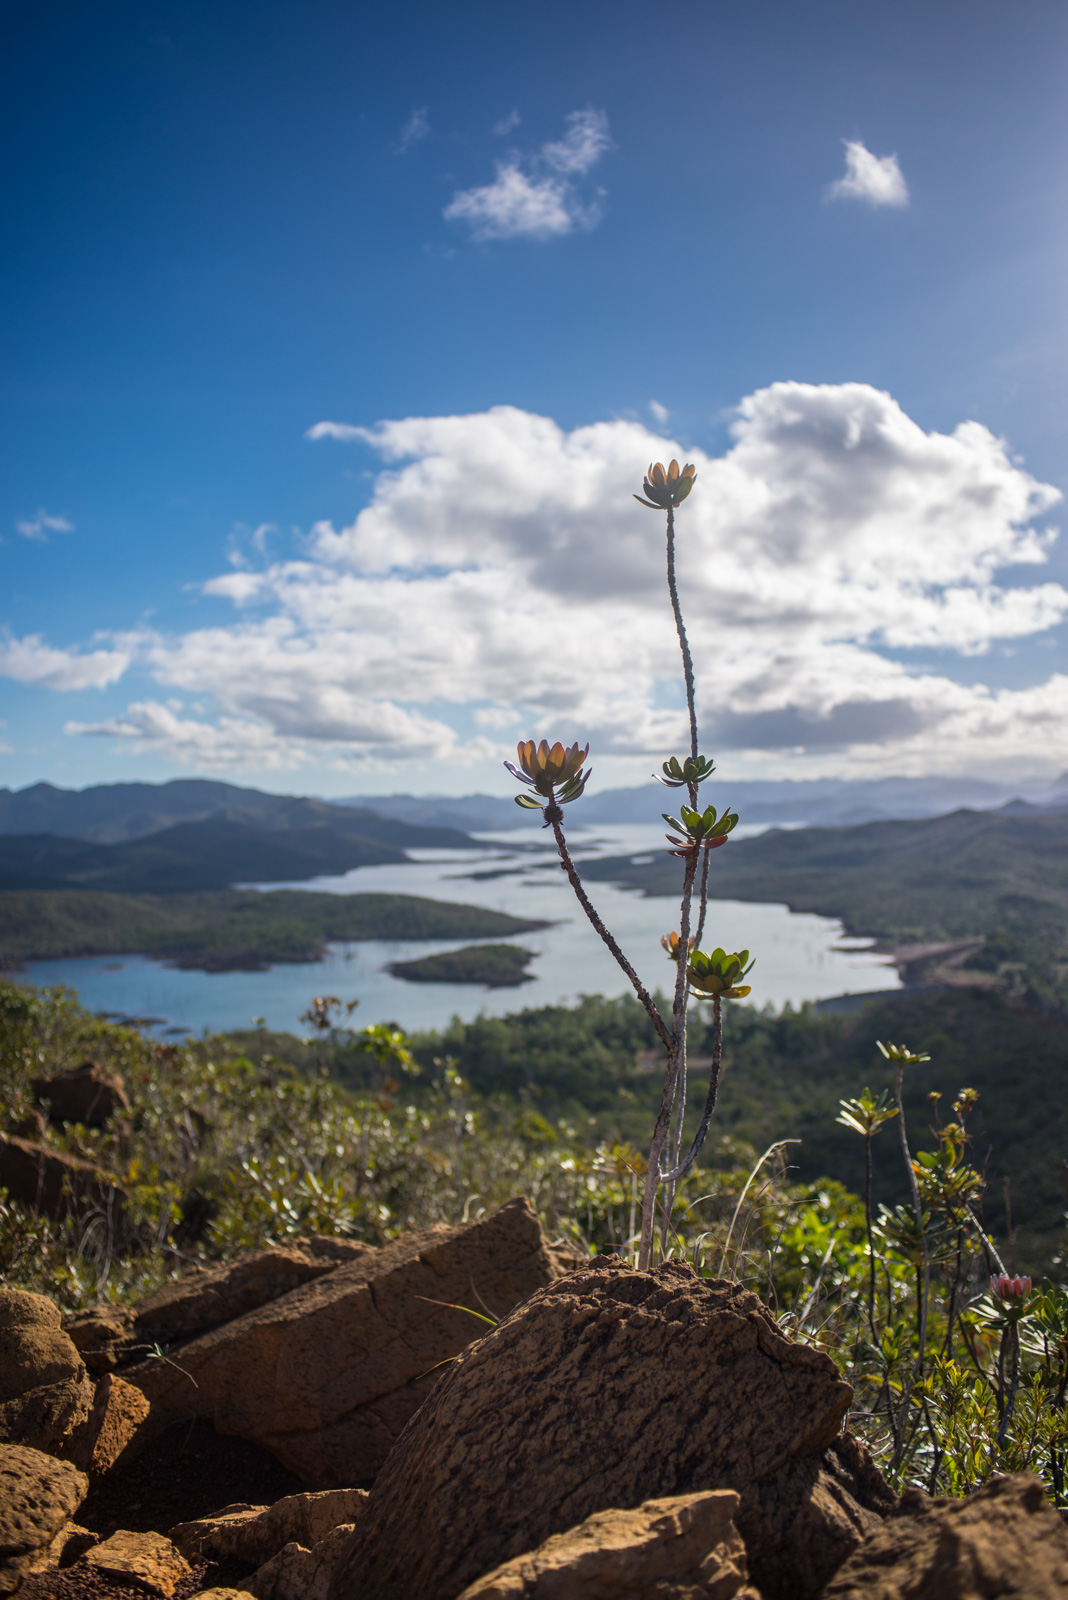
{"points": [[798, 957]]}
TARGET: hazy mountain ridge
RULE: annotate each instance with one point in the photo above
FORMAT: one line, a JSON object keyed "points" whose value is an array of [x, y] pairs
{"points": [[285, 839], [120, 812], [818, 802]]}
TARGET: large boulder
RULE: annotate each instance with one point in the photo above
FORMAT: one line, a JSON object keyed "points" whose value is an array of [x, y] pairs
{"points": [[328, 1375], [59, 1185], [109, 1336], [686, 1548], [88, 1094], [1004, 1540], [603, 1391], [38, 1495], [818, 1508], [208, 1297], [45, 1391]]}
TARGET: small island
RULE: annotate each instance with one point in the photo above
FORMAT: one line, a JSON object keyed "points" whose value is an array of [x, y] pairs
{"points": [[495, 966]]}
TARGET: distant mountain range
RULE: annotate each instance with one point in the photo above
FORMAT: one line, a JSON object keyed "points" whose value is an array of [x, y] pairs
{"points": [[821, 802], [191, 835], [111, 813]]}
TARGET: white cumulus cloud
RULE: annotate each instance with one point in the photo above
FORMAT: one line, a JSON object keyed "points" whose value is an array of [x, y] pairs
{"points": [[30, 660], [876, 179], [539, 198], [501, 576]]}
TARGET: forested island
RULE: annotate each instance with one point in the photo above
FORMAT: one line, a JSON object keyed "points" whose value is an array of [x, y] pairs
{"points": [[229, 929]]}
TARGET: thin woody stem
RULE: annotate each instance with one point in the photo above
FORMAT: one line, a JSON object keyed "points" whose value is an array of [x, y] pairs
{"points": [[675, 1048], [684, 644], [703, 905], [584, 901], [713, 1091]]}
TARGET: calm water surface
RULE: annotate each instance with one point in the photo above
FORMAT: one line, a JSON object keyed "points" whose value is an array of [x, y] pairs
{"points": [[799, 957]]}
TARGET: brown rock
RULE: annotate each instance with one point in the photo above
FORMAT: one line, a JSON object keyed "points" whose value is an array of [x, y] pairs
{"points": [[58, 1185], [327, 1376], [146, 1559], [38, 1494], [253, 1534], [100, 1334], [71, 1542], [607, 1389], [89, 1094], [45, 1391], [120, 1425], [205, 1298], [685, 1548], [221, 1594], [1004, 1540], [299, 1574], [800, 1524]]}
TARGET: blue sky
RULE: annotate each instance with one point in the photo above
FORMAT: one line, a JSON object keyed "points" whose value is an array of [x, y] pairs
{"points": [[509, 254]]}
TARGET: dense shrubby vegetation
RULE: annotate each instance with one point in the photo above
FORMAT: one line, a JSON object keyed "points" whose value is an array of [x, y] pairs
{"points": [[231, 1143]]}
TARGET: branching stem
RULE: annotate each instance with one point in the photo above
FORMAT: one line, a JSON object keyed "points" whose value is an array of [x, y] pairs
{"points": [[684, 643]]}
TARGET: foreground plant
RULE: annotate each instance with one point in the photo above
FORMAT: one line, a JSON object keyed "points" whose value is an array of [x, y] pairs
{"points": [[556, 775]]}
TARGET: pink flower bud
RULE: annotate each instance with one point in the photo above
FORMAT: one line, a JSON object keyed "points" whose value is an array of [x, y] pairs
{"points": [[1008, 1289]]}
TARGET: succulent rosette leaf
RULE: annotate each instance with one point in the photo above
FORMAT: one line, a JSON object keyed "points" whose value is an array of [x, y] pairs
{"points": [[680, 774], [718, 972], [666, 486], [698, 830], [553, 772]]}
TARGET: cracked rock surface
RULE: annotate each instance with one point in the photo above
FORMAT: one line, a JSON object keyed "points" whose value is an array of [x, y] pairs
{"points": [[604, 1390], [1004, 1542], [327, 1375]]}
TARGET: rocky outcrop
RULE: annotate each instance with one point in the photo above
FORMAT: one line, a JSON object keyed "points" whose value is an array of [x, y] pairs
{"points": [[38, 1495], [327, 1376], [801, 1523], [255, 1534], [45, 1391], [101, 1335], [686, 1548], [299, 1574], [1004, 1540], [146, 1560], [109, 1336], [204, 1299], [88, 1094], [119, 1427], [602, 1391], [59, 1185]]}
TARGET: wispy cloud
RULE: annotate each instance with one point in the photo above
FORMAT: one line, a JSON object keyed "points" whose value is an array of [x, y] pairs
{"points": [[41, 524], [876, 179], [538, 197], [659, 413], [507, 124], [415, 130]]}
